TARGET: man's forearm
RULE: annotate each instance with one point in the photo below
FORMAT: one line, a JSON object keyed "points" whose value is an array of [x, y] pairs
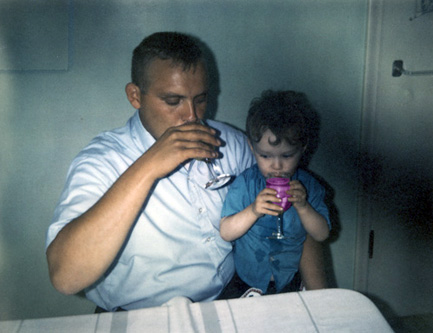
{"points": [[84, 249]]}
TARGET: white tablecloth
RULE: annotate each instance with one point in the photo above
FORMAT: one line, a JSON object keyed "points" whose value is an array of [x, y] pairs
{"points": [[329, 310]]}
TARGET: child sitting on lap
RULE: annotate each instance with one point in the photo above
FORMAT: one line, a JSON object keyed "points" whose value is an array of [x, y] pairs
{"points": [[277, 135]]}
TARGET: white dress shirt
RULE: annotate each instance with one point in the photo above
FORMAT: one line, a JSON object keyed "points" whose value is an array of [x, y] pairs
{"points": [[174, 248]]}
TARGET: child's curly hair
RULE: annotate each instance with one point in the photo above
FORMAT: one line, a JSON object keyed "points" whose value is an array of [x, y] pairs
{"points": [[282, 112]]}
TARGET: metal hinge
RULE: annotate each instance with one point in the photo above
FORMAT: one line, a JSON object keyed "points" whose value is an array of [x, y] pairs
{"points": [[370, 244]]}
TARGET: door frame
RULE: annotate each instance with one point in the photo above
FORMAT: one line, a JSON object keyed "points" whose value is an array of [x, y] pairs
{"points": [[367, 141]]}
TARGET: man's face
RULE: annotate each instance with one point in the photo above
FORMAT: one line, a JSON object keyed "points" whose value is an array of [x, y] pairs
{"points": [[276, 161], [173, 96]]}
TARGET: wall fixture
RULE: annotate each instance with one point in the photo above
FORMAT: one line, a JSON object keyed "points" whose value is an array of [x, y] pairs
{"points": [[398, 70], [422, 7]]}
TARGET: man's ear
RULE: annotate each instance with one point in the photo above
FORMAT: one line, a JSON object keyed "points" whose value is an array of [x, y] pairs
{"points": [[133, 93]]}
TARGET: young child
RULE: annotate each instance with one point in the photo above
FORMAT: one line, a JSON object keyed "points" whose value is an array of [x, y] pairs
{"points": [[277, 134]]}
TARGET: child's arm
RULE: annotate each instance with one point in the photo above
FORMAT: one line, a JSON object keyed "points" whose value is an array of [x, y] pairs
{"points": [[234, 226], [314, 223]]}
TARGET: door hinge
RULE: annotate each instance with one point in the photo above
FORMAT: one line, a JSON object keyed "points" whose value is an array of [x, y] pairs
{"points": [[370, 244]]}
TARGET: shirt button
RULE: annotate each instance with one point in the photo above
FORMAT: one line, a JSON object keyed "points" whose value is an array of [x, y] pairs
{"points": [[208, 239], [200, 210], [271, 259]]}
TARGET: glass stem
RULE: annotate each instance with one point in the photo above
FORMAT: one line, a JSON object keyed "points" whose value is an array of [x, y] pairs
{"points": [[280, 225], [209, 164]]}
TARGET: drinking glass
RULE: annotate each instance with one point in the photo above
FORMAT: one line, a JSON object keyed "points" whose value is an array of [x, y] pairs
{"points": [[281, 185], [217, 177]]}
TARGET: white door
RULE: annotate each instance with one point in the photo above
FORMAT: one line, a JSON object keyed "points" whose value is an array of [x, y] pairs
{"points": [[394, 264]]}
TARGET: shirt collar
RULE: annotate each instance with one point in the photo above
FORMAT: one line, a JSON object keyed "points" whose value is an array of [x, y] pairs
{"points": [[141, 137]]}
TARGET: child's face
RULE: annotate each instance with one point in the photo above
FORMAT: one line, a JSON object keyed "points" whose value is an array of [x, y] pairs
{"points": [[276, 161]]}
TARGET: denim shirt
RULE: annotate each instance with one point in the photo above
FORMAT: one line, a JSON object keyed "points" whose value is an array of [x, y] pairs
{"points": [[174, 248], [258, 258]]}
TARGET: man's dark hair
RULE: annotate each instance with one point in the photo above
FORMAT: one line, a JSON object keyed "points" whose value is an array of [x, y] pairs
{"points": [[282, 112], [178, 47]]}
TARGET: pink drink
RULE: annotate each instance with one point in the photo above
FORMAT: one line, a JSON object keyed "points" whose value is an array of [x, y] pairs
{"points": [[281, 185]]}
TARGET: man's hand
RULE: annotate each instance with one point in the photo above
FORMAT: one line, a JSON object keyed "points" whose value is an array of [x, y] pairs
{"points": [[181, 143]]}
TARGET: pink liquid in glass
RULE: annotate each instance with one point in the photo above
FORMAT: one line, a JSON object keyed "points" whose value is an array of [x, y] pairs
{"points": [[281, 185]]}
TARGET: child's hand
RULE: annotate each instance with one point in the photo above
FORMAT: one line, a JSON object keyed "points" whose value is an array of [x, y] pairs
{"points": [[298, 194], [264, 203]]}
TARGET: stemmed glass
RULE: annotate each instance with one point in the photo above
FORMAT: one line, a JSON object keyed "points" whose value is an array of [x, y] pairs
{"points": [[281, 185], [217, 177]]}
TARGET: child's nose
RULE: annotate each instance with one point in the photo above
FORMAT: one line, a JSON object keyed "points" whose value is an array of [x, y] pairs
{"points": [[276, 164]]}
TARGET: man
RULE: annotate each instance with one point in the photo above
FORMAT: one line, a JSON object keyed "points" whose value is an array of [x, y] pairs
{"points": [[134, 226]]}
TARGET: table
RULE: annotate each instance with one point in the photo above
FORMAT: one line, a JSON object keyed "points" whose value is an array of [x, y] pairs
{"points": [[328, 310]]}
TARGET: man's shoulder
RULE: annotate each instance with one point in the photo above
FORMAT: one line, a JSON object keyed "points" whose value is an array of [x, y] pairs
{"points": [[110, 143], [226, 129], [115, 139]]}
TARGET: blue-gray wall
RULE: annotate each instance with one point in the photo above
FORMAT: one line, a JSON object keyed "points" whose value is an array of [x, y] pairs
{"points": [[50, 109]]}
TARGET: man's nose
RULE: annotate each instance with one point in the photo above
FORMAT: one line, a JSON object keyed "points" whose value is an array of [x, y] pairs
{"points": [[191, 112]]}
